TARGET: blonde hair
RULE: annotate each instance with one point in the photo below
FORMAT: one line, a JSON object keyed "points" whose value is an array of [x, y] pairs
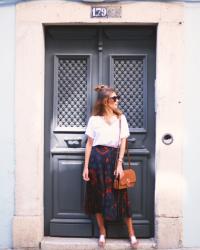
{"points": [[103, 93]]}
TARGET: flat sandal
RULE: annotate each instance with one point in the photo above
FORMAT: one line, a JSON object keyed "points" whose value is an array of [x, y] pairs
{"points": [[134, 242], [102, 240]]}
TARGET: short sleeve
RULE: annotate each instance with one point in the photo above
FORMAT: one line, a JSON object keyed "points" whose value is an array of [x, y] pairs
{"points": [[90, 127], [124, 127]]}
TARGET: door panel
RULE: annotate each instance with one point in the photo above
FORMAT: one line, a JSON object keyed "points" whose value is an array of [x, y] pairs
{"points": [[68, 198], [77, 58], [72, 87], [128, 75]]}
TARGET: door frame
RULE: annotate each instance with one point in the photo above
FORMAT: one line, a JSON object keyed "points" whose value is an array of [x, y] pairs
{"points": [[30, 20], [143, 156]]}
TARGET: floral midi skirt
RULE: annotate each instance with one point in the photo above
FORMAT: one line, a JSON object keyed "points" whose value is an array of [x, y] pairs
{"points": [[100, 196]]}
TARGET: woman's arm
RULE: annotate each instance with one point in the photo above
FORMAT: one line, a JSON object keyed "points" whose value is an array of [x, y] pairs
{"points": [[88, 149], [119, 169]]}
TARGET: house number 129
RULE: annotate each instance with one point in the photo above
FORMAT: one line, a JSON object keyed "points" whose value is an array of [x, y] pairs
{"points": [[99, 12]]}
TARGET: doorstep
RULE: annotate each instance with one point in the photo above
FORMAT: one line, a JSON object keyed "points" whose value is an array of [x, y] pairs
{"points": [[61, 243]]}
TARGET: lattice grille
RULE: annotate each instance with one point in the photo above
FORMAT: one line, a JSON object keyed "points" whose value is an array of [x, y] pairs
{"points": [[129, 81], [72, 92]]}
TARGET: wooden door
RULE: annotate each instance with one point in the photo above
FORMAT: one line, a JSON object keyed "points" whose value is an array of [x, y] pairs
{"points": [[77, 58]]}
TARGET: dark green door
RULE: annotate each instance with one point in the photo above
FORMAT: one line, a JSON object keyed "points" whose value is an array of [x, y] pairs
{"points": [[77, 58]]}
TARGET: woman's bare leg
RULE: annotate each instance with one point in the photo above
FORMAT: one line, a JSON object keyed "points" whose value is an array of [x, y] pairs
{"points": [[131, 232], [102, 230], [100, 222], [128, 221]]}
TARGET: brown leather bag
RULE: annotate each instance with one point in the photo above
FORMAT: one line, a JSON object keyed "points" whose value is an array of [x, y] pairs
{"points": [[129, 177], [128, 180]]}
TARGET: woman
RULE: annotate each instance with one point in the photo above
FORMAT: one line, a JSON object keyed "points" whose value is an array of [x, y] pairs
{"points": [[99, 168]]}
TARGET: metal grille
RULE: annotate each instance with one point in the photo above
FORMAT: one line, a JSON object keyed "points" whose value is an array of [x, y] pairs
{"points": [[72, 92], [129, 81]]}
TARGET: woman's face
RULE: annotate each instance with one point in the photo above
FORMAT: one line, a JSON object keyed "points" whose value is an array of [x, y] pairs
{"points": [[113, 100]]}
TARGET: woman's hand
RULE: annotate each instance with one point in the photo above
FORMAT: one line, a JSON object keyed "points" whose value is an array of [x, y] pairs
{"points": [[88, 149], [119, 170], [85, 174]]}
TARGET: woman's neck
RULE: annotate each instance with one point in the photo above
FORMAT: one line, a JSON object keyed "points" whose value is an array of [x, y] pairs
{"points": [[109, 113]]}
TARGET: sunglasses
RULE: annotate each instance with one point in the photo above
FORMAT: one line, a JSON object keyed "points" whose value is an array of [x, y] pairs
{"points": [[115, 98]]}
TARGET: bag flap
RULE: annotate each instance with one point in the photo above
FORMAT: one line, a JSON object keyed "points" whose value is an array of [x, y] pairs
{"points": [[129, 176]]}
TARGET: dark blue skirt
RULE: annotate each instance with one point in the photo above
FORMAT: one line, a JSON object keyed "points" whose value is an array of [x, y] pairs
{"points": [[101, 197]]}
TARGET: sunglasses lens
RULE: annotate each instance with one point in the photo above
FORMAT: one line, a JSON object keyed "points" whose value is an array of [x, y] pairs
{"points": [[115, 98]]}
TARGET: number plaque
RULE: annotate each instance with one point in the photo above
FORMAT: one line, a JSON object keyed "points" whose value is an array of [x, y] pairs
{"points": [[99, 12], [105, 11]]}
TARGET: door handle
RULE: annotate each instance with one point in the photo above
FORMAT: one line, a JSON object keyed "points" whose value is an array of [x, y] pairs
{"points": [[131, 140], [73, 142]]}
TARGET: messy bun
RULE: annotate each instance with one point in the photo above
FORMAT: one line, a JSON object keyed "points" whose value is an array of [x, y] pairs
{"points": [[100, 87]]}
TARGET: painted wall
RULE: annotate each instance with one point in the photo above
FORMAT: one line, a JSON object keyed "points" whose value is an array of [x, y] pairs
{"points": [[191, 153], [7, 157]]}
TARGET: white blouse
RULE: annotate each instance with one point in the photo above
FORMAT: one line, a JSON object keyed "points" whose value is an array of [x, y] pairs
{"points": [[104, 133]]}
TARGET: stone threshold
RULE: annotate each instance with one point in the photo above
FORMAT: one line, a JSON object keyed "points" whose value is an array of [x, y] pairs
{"points": [[61, 243]]}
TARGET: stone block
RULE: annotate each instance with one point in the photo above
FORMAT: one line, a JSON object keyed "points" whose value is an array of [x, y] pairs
{"points": [[27, 231], [168, 233]]}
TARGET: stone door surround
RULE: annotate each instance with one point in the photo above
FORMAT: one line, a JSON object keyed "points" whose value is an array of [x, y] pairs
{"points": [[31, 17]]}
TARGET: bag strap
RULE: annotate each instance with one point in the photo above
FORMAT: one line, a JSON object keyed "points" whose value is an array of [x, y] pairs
{"points": [[127, 152], [126, 149], [118, 143]]}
